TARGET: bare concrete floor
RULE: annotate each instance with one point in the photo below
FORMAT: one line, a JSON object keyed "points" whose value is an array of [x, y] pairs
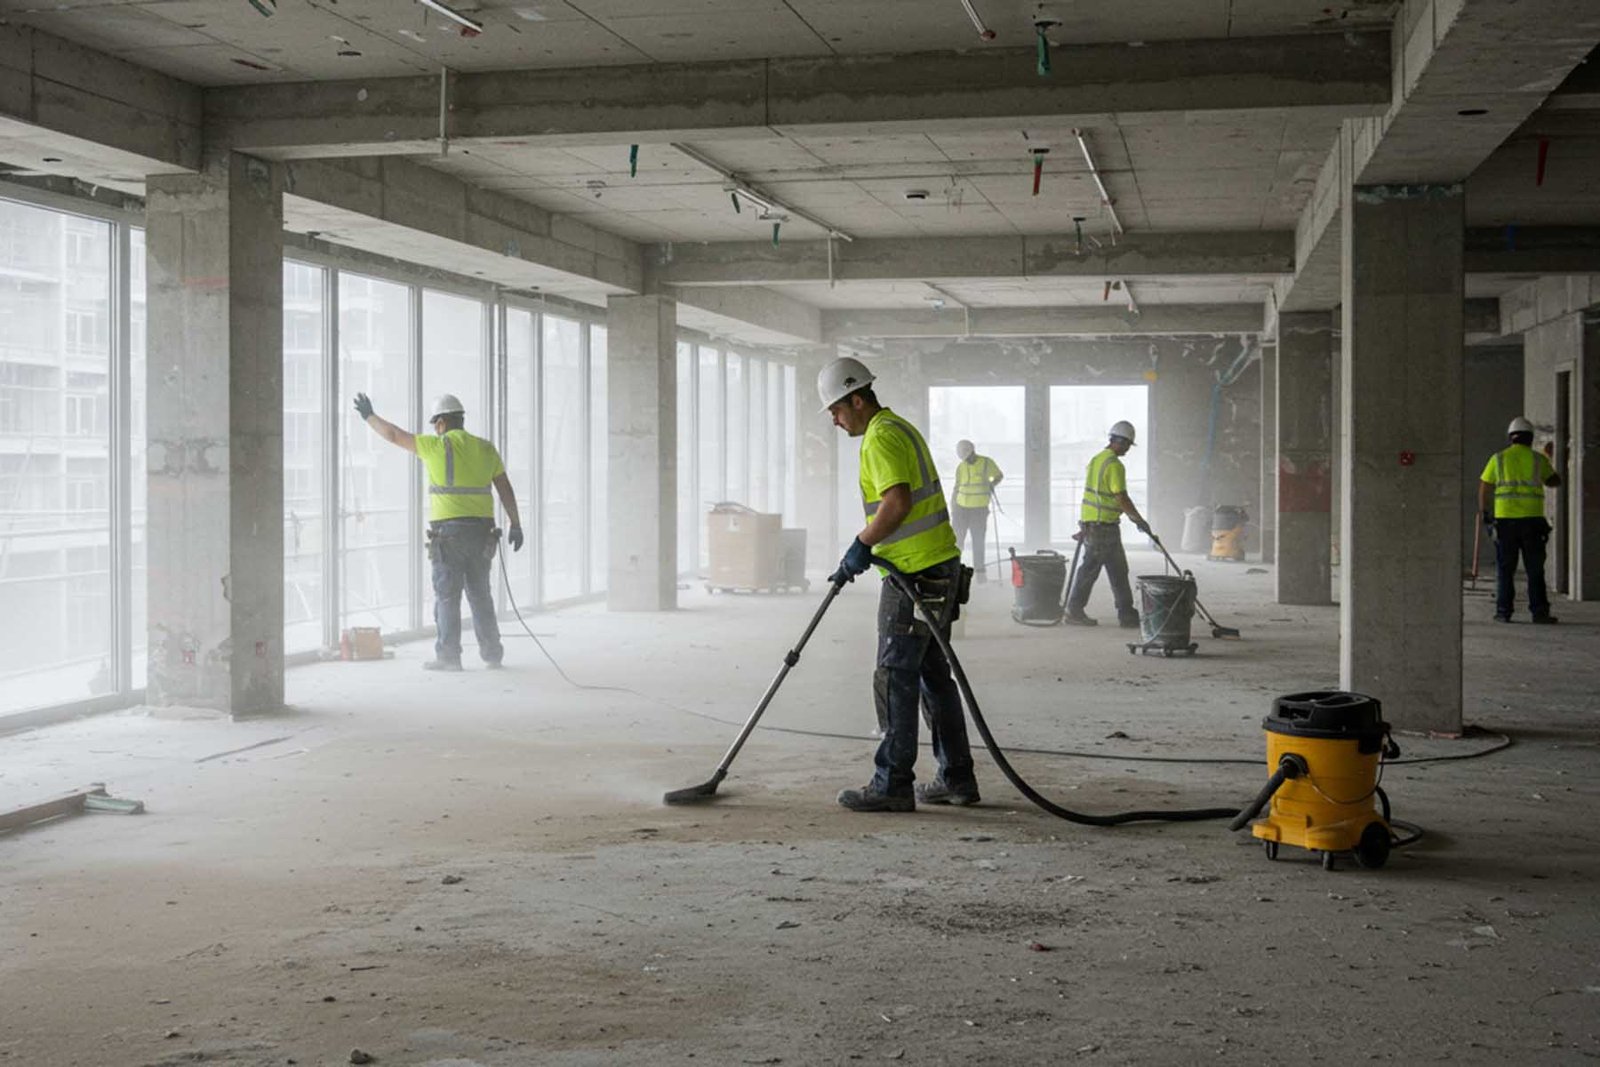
{"points": [[293, 901]]}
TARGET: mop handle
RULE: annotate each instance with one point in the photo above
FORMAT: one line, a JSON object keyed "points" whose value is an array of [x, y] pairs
{"points": [[789, 660]]}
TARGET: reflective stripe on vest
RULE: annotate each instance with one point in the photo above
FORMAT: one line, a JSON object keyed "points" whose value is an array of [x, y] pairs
{"points": [[450, 488], [973, 482], [1096, 501], [1504, 489], [930, 481]]}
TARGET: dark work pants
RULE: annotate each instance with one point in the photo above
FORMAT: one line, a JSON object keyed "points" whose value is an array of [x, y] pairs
{"points": [[913, 671], [1525, 538], [976, 522], [1102, 547], [462, 550]]}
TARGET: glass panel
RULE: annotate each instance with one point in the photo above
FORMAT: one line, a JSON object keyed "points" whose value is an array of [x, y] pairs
{"points": [[791, 450], [599, 465], [1079, 418], [709, 489], [521, 344], [688, 498], [760, 462], [991, 417], [737, 439], [303, 334], [138, 495], [561, 426], [55, 457], [376, 547]]}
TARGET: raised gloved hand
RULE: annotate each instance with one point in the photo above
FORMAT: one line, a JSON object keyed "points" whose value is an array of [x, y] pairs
{"points": [[363, 406], [514, 538], [857, 558]]}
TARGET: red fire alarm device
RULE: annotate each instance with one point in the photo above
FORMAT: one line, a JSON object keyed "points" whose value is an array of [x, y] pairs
{"points": [[1408, 458]]}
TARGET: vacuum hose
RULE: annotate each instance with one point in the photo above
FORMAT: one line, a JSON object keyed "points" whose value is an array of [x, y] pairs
{"points": [[1044, 803], [1290, 766]]}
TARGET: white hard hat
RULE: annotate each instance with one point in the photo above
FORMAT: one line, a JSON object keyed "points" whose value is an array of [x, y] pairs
{"points": [[841, 378], [1122, 428], [1519, 425], [447, 404], [964, 448]]}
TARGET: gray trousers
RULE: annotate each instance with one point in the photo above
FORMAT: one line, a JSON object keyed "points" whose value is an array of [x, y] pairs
{"points": [[976, 522], [1102, 547]]}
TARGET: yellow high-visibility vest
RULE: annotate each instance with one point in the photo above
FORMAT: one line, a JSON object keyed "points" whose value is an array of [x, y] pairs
{"points": [[460, 469], [975, 481], [1105, 479], [1518, 474], [894, 453]]}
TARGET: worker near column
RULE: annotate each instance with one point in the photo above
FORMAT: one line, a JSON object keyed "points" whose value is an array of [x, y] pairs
{"points": [[909, 526], [1105, 501], [461, 533], [1511, 497], [976, 478]]}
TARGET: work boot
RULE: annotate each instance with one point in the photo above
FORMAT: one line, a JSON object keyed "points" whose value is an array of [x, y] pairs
{"points": [[492, 665], [1502, 618], [1545, 620], [869, 799], [1128, 622], [442, 665], [940, 791], [1078, 618]]}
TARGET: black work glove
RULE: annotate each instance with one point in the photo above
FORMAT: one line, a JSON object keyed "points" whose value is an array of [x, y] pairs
{"points": [[857, 558], [363, 406], [514, 538], [1488, 516], [1143, 527]]}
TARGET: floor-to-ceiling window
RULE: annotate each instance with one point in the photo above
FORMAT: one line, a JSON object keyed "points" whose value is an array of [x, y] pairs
{"points": [[709, 416], [376, 480], [992, 418], [736, 439], [56, 296], [1080, 416], [561, 418], [304, 415], [599, 462], [138, 487], [688, 443], [521, 455]]}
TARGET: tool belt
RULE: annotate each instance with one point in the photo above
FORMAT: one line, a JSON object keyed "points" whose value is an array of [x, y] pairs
{"points": [[436, 535]]}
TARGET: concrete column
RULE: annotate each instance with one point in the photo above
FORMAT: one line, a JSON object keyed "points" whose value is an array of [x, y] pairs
{"points": [[1036, 435], [1301, 457], [1584, 494], [642, 486], [817, 454], [214, 263], [1269, 448], [1400, 583]]}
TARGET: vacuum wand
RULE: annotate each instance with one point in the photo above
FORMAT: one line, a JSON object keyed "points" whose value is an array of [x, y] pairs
{"points": [[707, 789], [1218, 630]]}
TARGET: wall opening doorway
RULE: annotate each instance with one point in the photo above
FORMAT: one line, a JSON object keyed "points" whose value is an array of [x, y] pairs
{"points": [[992, 418], [1559, 560], [1080, 415]]}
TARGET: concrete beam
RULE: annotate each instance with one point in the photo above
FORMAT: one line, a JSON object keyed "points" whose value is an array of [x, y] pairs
{"points": [[1336, 74], [1534, 250], [102, 118], [1502, 58], [399, 208], [1545, 300], [927, 259], [1073, 321], [775, 317]]}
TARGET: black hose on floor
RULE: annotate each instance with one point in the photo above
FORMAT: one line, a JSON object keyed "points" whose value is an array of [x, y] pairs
{"points": [[998, 755]]}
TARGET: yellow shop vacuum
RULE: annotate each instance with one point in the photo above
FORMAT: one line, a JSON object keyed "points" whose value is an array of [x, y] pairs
{"points": [[1325, 751]]}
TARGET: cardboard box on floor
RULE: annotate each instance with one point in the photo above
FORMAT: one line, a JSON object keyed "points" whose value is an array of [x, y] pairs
{"points": [[746, 547]]}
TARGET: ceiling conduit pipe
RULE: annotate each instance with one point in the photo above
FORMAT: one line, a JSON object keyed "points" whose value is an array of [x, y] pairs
{"points": [[1111, 210], [763, 202]]}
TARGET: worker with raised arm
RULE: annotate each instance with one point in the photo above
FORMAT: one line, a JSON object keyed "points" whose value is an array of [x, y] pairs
{"points": [[1511, 498], [976, 479], [1105, 501], [908, 525], [461, 533]]}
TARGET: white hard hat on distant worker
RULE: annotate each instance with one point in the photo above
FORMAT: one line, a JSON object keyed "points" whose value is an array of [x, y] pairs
{"points": [[1519, 425], [1124, 429], [447, 404], [964, 448], [841, 378]]}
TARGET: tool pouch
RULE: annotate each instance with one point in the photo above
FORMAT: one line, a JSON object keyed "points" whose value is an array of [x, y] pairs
{"points": [[433, 545], [963, 591], [491, 543]]}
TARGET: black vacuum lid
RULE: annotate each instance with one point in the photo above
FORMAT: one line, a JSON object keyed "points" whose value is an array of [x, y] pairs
{"points": [[1327, 713]]}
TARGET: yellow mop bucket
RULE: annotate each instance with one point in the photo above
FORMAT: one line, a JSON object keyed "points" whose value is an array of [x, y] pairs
{"points": [[1325, 751]]}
